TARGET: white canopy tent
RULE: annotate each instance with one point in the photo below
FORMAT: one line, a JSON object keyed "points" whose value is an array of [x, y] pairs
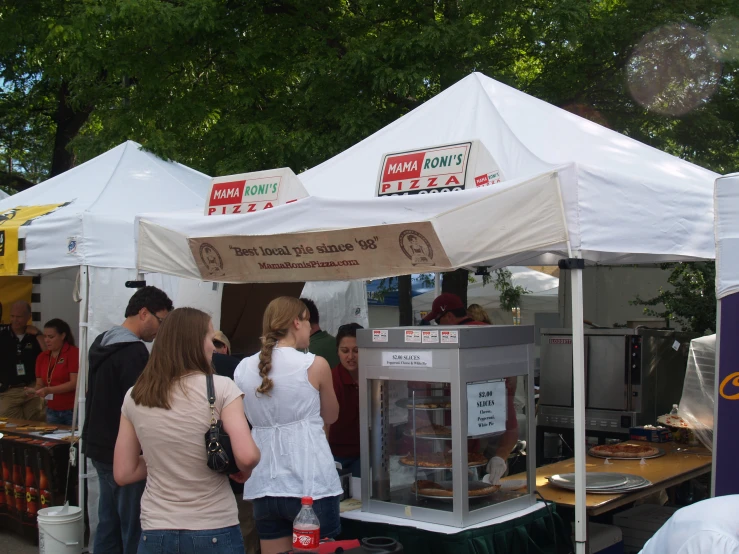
{"points": [[543, 296], [85, 248], [572, 189]]}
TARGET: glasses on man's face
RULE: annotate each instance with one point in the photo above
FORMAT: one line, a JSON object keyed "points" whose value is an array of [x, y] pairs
{"points": [[159, 319]]}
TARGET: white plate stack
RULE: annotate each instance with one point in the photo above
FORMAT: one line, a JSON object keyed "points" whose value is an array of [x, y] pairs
{"points": [[640, 523]]}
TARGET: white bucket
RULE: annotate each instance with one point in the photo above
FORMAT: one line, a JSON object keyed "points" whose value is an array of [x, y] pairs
{"points": [[60, 530]]}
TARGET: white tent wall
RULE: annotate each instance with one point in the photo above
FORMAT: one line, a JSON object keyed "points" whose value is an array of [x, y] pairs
{"points": [[339, 302], [57, 299], [109, 296], [608, 291]]}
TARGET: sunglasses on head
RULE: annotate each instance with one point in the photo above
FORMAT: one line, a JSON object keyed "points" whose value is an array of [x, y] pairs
{"points": [[348, 326], [218, 344]]}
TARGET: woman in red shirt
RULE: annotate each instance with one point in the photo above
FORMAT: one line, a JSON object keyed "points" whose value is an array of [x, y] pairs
{"points": [[56, 372], [343, 435]]}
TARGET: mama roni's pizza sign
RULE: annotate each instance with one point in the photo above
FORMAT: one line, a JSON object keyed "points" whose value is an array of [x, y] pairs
{"points": [[437, 169]]}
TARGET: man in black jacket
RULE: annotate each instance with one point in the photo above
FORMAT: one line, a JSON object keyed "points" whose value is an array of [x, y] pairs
{"points": [[117, 358]]}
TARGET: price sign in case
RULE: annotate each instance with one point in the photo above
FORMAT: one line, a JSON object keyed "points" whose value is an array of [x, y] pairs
{"points": [[435, 405]]}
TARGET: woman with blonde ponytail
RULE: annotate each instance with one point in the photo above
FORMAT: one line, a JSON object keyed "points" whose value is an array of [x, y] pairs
{"points": [[288, 398]]}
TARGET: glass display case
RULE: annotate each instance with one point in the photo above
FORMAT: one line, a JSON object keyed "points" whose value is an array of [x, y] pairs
{"points": [[436, 404]]}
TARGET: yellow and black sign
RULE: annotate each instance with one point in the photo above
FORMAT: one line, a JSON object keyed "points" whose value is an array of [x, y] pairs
{"points": [[10, 221]]}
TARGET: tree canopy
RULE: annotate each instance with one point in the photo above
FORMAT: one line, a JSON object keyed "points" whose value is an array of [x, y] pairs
{"points": [[226, 86]]}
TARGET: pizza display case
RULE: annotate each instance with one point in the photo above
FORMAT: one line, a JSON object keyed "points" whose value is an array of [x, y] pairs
{"points": [[436, 403]]}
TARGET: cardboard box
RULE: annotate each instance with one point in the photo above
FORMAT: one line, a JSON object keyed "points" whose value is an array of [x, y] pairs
{"points": [[653, 434]]}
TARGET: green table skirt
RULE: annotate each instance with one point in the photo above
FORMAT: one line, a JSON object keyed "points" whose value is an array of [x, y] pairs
{"points": [[535, 533]]}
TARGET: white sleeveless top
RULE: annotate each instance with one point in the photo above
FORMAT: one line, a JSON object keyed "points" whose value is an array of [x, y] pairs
{"points": [[288, 429]]}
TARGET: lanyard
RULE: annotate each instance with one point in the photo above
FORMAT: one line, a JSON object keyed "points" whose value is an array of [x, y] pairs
{"points": [[51, 368]]}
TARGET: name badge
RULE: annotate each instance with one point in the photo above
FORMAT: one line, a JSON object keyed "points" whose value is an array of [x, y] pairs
{"points": [[20, 370]]}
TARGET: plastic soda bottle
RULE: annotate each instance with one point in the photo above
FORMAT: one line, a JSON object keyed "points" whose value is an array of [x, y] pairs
{"points": [[306, 528]]}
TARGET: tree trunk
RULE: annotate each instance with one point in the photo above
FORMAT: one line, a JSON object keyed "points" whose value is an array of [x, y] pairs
{"points": [[456, 282], [405, 306], [69, 121]]}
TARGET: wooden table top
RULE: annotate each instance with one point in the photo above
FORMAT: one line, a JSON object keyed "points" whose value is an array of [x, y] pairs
{"points": [[30, 429], [666, 471]]}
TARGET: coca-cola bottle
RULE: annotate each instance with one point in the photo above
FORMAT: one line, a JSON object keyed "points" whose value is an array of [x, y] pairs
{"points": [[31, 488], [19, 485], [306, 528], [43, 483]]}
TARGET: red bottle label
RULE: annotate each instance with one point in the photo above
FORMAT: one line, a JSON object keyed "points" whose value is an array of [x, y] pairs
{"points": [[304, 539]]}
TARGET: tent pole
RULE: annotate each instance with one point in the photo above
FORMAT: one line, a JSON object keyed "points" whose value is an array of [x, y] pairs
{"points": [[437, 284], [84, 294], [578, 368]]}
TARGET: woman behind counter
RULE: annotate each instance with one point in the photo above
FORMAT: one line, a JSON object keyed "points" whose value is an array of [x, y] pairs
{"points": [[343, 436], [56, 372]]}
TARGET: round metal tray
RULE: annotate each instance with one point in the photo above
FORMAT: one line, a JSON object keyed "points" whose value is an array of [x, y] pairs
{"points": [[448, 484], [597, 455], [593, 481], [449, 467], [635, 483], [407, 403], [409, 433]]}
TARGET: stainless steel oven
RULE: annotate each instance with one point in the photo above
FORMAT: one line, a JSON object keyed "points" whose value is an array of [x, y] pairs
{"points": [[631, 377]]}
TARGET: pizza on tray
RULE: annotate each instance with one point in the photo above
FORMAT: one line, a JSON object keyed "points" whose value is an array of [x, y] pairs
{"points": [[442, 460], [429, 405], [429, 488], [625, 450], [433, 430]]}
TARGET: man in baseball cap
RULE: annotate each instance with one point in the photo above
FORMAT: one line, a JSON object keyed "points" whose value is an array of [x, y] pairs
{"points": [[448, 309]]}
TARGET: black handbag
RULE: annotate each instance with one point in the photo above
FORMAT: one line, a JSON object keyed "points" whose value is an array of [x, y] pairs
{"points": [[217, 442]]}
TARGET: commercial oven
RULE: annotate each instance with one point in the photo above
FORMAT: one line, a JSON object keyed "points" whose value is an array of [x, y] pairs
{"points": [[631, 377]]}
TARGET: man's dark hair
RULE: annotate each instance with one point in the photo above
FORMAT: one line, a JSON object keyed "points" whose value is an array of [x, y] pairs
{"points": [[312, 310], [151, 298], [461, 312], [347, 330]]}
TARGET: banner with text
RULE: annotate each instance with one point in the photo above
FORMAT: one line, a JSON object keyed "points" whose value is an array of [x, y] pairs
{"points": [[342, 254], [10, 222], [445, 168], [253, 192]]}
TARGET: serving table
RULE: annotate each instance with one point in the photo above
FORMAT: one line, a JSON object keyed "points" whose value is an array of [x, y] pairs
{"points": [[34, 473], [679, 464], [535, 530]]}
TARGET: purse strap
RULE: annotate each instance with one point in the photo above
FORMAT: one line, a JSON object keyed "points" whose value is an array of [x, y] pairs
{"points": [[211, 398]]}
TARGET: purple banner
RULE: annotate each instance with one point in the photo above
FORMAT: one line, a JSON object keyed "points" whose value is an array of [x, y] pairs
{"points": [[725, 439]]}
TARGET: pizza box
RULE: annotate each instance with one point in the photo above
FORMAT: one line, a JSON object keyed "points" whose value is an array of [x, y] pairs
{"points": [[650, 434]]}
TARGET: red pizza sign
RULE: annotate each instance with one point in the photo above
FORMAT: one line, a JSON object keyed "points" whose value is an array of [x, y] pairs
{"points": [[253, 192], [428, 171]]}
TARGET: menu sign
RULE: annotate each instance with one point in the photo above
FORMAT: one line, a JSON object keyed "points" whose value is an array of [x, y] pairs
{"points": [[445, 168], [409, 358], [486, 407]]}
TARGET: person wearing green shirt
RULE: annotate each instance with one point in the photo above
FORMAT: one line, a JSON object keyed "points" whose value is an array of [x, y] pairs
{"points": [[321, 343]]}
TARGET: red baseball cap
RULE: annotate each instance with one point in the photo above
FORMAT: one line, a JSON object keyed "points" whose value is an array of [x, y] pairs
{"points": [[445, 302]]}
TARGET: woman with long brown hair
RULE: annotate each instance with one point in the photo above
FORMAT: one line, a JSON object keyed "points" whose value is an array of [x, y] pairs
{"points": [[289, 397], [186, 507]]}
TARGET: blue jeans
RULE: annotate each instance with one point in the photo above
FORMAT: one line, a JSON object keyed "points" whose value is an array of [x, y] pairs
{"points": [[119, 513], [60, 417], [214, 541], [274, 516]]}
